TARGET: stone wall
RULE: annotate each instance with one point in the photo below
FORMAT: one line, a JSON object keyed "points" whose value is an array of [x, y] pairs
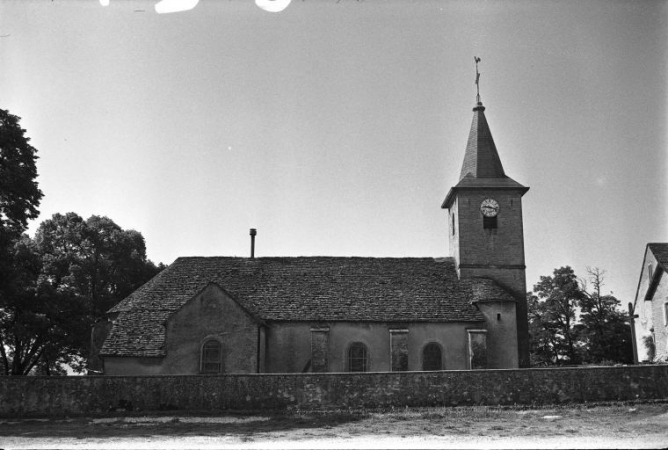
{"points": [[58, 396]]}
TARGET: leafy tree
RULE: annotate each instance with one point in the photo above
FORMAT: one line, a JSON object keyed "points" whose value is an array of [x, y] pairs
{"points": [[544, 344], [570, 325], [71, 274], [603, 330], [553, 316], [19, 199], [38, 325], [19, 194], [96, 258]]}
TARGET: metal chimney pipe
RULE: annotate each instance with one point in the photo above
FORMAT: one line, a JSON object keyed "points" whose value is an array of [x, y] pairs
{"points": [[253, 232]]}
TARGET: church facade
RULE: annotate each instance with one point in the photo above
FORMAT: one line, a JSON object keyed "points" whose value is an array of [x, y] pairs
{"points": [[331, 314]]}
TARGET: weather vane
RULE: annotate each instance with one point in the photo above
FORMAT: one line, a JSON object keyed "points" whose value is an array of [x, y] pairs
{"points": [[477, 79]]}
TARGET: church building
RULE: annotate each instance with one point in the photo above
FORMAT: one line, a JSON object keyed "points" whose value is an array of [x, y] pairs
{"points": [[220, 315]]}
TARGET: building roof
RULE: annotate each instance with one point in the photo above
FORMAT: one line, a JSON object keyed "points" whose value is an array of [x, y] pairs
{"points": [[660, 252], [482, 168], [481, 159], [313, 289]]}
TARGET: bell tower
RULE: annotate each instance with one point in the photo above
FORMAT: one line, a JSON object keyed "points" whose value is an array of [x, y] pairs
{"points": [[485, 216]]}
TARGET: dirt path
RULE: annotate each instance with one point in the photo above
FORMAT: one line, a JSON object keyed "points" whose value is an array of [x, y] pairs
{"points": [[615, 426]]}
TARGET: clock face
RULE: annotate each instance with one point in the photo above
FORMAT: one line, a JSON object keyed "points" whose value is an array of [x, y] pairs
{"points": [[489, 207]]}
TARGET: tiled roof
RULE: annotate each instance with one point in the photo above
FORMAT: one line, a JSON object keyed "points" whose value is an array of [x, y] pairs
{"points": [[660, 252], [302, 289], [481, 158]]}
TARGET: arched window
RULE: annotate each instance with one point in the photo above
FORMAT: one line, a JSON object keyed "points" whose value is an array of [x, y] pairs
{"points": [[212, 356], [357, 358], [432, 357]]}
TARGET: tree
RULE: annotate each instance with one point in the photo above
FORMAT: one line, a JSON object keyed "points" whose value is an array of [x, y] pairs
{"points": [[38, 324], [570, 325], [19, 199], [96, 258], [544, 345], [19, 193], [553, 311], [71, 273], [603, 330]]}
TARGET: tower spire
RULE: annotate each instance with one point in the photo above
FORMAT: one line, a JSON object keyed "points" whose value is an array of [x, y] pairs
{"points": [[482, 166], [477, 80]]}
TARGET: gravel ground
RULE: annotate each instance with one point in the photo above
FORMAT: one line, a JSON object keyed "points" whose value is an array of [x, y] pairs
{"points": [[364, 442], [602, 426]]}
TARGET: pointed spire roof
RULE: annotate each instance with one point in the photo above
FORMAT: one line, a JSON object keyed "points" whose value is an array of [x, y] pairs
{"points": [[482, 168], [481, 159]]}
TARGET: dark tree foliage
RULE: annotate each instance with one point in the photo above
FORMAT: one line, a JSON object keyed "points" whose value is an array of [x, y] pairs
{"points": [[544, 342], [98, 259], [19, 194], [39, 324], [604, 330], [569, 325], [554, 316], [19, 200], [70, 275]]}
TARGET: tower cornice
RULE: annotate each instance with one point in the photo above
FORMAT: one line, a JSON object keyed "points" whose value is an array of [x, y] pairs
{"points": [[502, 184]]}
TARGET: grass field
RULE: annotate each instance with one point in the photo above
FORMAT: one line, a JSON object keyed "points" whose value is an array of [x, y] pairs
{"points": [[620, 425]]}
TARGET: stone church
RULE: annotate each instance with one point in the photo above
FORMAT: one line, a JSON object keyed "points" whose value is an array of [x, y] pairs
{"points": [[218, 315]]}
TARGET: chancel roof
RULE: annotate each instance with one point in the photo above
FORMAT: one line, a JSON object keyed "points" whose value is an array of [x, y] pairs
{"points": [[314, 289]]}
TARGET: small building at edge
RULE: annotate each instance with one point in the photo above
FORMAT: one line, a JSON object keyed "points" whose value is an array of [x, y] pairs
{"points": [[651, 305]]}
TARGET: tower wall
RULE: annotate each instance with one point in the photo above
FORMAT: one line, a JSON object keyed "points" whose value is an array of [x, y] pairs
{"points": [[502, 246], [501, 323], [496, 253], [453, 231], [490, 247]]}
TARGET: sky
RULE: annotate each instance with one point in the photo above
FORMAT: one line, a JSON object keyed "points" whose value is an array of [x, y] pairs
{"points": [[337, 127]]}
